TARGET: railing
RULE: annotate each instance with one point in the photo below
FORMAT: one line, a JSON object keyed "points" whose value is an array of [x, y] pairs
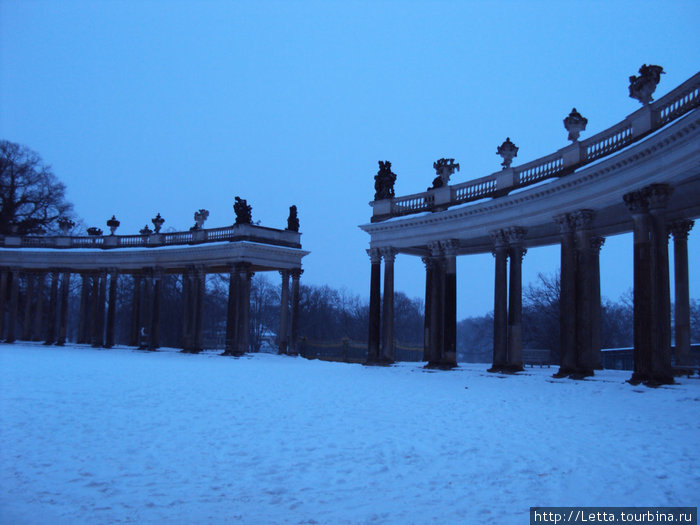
{"points": [[639, 124], [153, 240], [474, 189], [608, 141], [540, 169]]}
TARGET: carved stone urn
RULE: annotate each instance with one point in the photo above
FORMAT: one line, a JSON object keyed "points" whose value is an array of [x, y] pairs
{"points": [[508, 151], [157, 222], [575, 124], [113, 224]]}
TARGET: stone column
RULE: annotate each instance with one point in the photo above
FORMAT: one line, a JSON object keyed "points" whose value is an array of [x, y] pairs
{"points": [[154, 340], [374, 306], [199, 308], [29, 296], [283, 337], [296, 275], [387, 355], [517, 250], [37, 329], [187, 311], [63, 316], [637, 204], [584, 294], [83, 319], [567, 296], [53, 310], [500, 302], [111, 308], [680, 230], [437, 305], [3, 300], [596, 307], [662, 372], [14, 306], [146, 321], [101, 300], [427, 307], [232, 312], [449, 354]]}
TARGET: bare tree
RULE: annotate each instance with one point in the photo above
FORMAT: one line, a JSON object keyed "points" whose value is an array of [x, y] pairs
{"points": [[31, 197]]}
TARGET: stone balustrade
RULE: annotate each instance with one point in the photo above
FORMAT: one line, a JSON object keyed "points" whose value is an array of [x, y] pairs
{"points": [[564, 161], [236, 232]]}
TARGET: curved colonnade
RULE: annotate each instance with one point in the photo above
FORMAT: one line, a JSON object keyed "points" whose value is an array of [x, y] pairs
{"points": [[640, 176], [239, 251]]}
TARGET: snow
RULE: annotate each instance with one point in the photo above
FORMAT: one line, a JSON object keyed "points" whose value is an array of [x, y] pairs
{"points": [[122, 436]]}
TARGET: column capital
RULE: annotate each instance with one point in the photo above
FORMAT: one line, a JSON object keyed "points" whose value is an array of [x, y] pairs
{"points": [[597, 243], [435, 249], [499, 239], [284, 273], [388, 254], [515, 235], [427, 261], [658, 195], [158, 272], [582, 218], [449, 247], [680, 229], [296, 273], [566, 223], [637, 202], [375, 255]]}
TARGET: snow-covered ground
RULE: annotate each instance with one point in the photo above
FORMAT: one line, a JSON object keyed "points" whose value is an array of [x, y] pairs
{"points": [[122, 436]]}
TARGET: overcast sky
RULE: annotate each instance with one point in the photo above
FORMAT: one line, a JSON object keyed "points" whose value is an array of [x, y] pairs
{"points": [[153, 106]]}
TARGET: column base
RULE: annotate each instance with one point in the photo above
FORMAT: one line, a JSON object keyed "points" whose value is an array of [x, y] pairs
{"points": [[440, 366], [497, 368], [657, 380], [582, 373], [564, 372]]}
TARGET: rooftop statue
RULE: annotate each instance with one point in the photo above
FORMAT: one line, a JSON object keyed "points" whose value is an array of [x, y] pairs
{"points": [[200, 218], [642, 86], [293, 220], [444, 169], [384, 182], [243, 211]]}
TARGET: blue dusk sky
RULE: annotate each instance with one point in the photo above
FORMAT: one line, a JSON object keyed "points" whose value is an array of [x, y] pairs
{"points": [[152, 106]]}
